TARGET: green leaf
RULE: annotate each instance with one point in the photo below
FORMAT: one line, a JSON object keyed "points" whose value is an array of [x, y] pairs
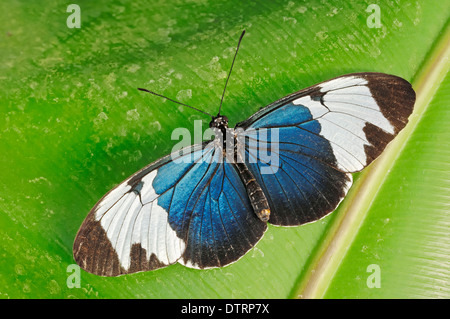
{"points": [[74, 126]]}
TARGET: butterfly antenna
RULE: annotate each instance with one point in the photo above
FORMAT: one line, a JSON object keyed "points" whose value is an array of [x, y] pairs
{"points": [[226, 83], [148, 91]]}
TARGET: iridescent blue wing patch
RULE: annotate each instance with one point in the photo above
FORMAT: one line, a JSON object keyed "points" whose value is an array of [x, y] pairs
{"points": [[190, 207], [323, 133]]}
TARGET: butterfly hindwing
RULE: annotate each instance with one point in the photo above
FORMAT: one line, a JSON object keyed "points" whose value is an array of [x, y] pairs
{"points": [[190, 208], [323, 133], [300, 186]]}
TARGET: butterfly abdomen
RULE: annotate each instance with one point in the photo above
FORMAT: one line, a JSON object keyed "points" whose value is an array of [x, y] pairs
{"points": [[254, 191]]}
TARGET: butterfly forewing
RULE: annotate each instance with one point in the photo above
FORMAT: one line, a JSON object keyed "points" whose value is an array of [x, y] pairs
{"points": [[324, 133]]}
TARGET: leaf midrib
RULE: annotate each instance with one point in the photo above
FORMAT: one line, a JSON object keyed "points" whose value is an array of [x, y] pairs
{"points": [[344, 227]]}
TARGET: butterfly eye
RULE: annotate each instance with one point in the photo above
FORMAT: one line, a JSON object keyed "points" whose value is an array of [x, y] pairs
{"points": [[219, 122], [213, 123]]}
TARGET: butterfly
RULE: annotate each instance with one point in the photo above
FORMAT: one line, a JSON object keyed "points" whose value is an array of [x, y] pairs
{"points": [[208, 204]]}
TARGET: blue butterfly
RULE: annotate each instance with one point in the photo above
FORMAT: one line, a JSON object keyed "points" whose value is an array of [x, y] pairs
{"points": [[207, 205]]}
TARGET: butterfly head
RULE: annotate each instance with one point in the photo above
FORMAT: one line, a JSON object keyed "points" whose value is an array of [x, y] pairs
{"points": [[219, 121]]}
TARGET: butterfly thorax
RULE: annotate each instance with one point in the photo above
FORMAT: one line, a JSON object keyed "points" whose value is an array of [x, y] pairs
{"points": [[225, 136], [219, 124]]}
